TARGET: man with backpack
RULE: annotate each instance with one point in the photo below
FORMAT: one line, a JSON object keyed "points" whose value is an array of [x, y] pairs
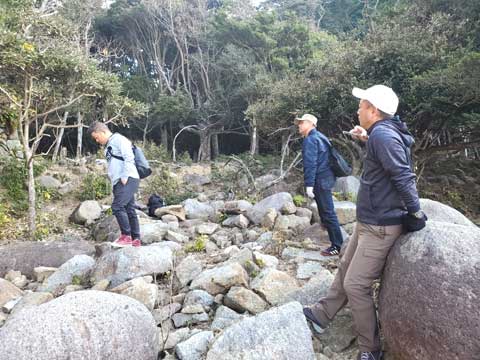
{"points": [[387, 204], [125, 181], [319, 178]]}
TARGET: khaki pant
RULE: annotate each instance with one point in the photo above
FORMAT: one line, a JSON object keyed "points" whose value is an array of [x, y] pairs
{"points": [[360, 265]]}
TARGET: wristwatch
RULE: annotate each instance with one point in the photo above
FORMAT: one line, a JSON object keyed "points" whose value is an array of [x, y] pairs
{"points": [[419, 214]]}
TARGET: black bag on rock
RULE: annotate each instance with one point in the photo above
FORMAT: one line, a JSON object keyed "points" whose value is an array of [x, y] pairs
{"points": [[154, 202]]}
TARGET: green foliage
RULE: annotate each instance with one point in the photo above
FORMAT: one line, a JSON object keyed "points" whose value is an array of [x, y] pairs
{"points": [[299, 200], [94, 187], [198, 245], [185, 158], [164, 183], [14, 179], [156, 152], [47, 224]]}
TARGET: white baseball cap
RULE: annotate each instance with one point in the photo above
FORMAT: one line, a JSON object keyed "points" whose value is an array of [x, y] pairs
{"points": [[380, 96], [307, 117]]}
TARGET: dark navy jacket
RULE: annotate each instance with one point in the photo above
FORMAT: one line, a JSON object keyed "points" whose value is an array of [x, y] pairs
{"points": [[387, 185], [316, 163]]}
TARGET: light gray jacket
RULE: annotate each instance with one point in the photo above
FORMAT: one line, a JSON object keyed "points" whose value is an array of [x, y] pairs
{"points": [[118, 169]]}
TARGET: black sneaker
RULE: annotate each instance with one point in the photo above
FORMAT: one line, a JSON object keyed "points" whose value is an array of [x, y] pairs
{"points": [[374, 355], [331, 251], [315, 323]]}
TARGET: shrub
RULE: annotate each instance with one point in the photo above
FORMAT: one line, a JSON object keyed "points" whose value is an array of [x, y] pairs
{"points": [[94, 187], [14, 181], [299, 200], [198, 245], [167, 186], [156, 152]]}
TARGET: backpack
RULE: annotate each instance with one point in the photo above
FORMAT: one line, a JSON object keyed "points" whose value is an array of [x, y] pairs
{"points": [[154, 202], [141, 162], [340, 167], [338, 164]]}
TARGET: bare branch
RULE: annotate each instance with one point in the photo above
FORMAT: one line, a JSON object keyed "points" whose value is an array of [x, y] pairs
{"points": [[10, 96], [65, 105]]}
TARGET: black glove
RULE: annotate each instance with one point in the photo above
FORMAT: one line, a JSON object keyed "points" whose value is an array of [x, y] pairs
{"points": [[414, 222]]}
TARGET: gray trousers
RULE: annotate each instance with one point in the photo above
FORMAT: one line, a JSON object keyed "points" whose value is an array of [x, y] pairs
{"points": [[361, 264]]}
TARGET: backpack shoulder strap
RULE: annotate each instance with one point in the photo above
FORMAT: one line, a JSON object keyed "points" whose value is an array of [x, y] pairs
{"points": [[109, 151]]}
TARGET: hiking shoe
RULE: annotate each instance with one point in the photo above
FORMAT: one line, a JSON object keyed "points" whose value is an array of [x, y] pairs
{"points": [[313, 320], [122, 241], [374, 355], [136, 243], [331, 251]]}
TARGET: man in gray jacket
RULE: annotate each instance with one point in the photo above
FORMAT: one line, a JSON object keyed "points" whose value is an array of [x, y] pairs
{"points": [[125, 180], [387, 199]]}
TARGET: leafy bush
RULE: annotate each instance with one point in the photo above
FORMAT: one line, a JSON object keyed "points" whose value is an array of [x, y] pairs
{"points": [[167, 186], [198, 245], [14, 181], [299, 200], [46, 225], [185, 158], [156, 152], [94, 187]]}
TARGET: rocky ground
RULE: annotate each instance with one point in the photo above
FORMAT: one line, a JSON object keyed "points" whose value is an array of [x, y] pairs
{"points": [[227, 279]]}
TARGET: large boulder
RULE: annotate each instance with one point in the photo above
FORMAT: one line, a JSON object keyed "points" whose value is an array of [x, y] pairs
{"points": [[28, 255], [273, 284], [197, 210], [87, 212], [127, 263], [348, 187], [430, 293], [437, 211], [218, 280], [276, 201], [346, 212], [279, 333], [81, 325], [77, 269], [195, 346], [236, 207], [8, 292], [106, 230], [49, 182]]}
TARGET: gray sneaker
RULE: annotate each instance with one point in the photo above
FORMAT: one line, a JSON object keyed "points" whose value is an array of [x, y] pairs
{"points": [[374, 355], [313, 320]]}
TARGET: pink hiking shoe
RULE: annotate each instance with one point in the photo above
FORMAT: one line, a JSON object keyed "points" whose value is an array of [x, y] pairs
{"points": [[122, 241], [136, 243]]}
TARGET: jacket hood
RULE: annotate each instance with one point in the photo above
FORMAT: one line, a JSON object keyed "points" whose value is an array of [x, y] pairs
{"points": [[400, 127]]}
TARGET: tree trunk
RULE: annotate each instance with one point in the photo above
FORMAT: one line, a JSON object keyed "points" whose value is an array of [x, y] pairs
{"points": [[254, 143], [58, 142], [79, 135], [145, 131], [204, 151], [31, 197], [164, 136], [215, 146], [285, 139]]}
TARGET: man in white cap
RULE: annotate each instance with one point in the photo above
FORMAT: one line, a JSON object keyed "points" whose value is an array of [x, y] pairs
{"points": [[319, 178], [387, 204]]}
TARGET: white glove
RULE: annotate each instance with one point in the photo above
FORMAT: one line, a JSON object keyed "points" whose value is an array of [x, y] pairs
{"points": [[310, 193]]}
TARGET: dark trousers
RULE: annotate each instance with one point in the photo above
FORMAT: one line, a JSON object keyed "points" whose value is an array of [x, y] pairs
{"points": [[123, 207], [328, 216]]}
